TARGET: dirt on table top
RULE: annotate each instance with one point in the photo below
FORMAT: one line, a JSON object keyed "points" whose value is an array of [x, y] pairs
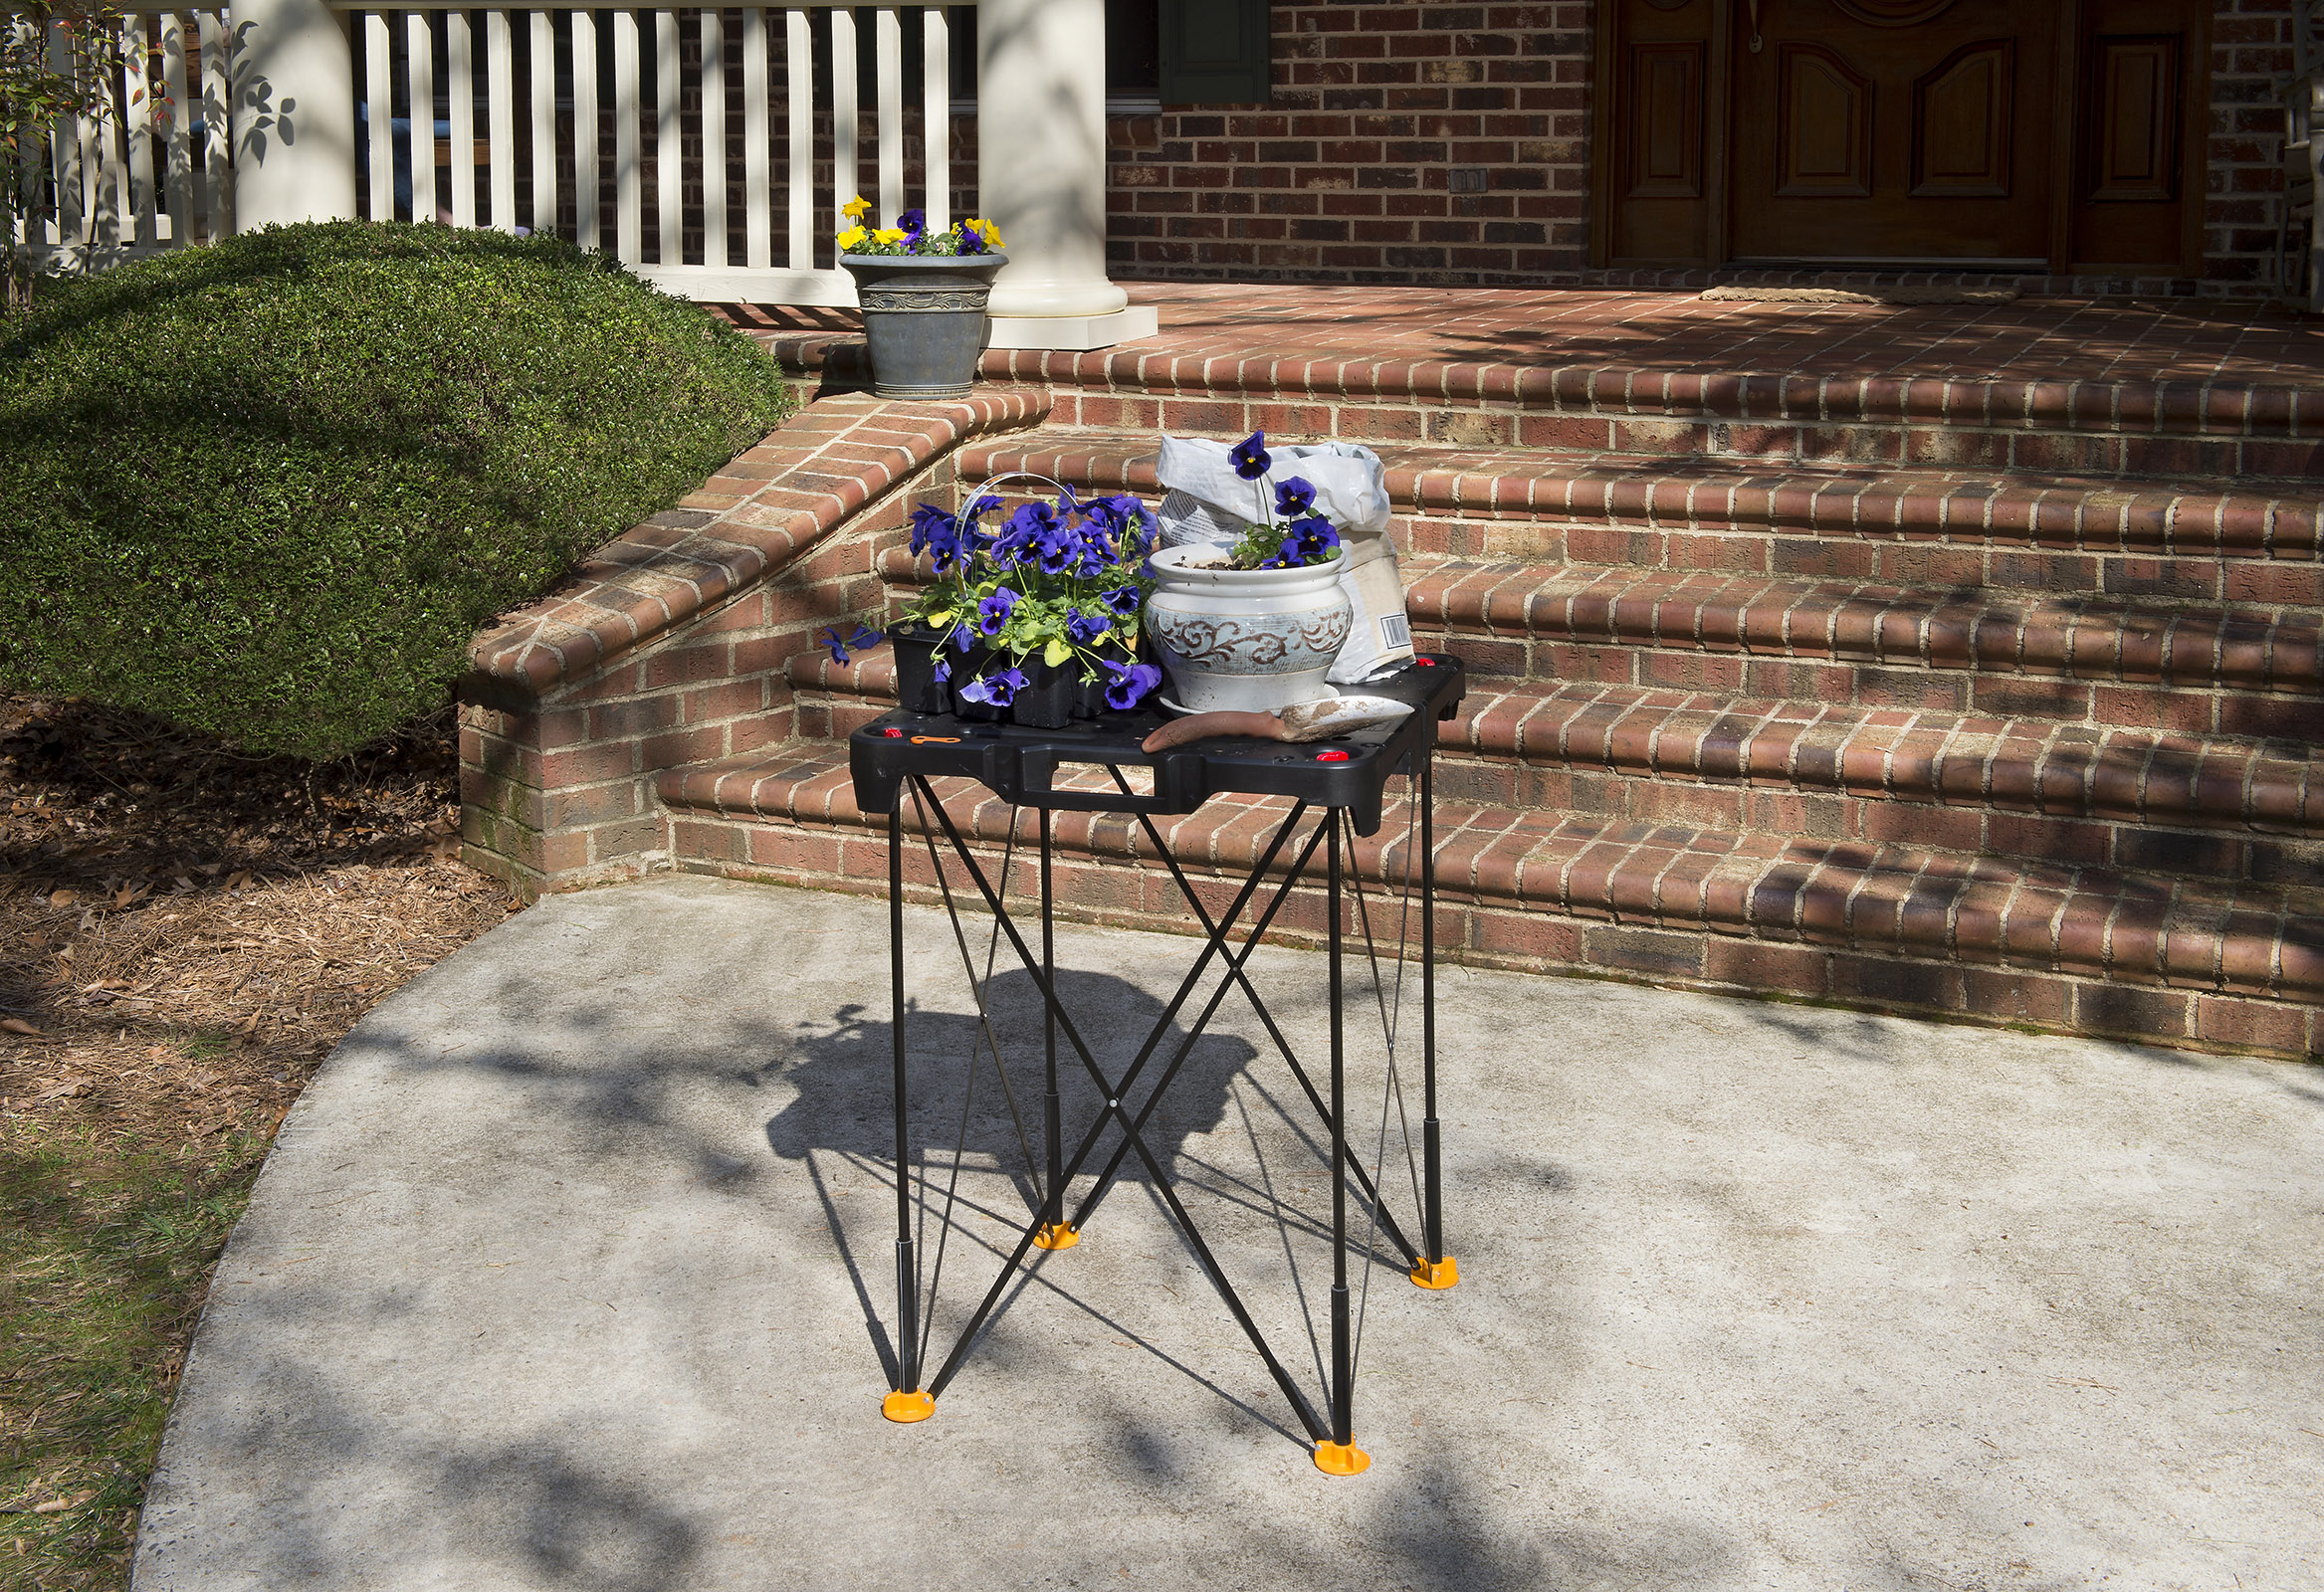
{"points": [[185, 928]]}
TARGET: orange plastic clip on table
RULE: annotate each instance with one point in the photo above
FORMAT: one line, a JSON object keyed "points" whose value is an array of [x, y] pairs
{"points": [[1342, 784]]}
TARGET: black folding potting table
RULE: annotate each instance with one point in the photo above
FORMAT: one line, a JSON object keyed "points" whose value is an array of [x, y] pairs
{"points": [[894, 758]]}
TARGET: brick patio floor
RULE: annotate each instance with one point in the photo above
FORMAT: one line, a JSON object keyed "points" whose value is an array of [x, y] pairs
{"points": [[2030, 339]]}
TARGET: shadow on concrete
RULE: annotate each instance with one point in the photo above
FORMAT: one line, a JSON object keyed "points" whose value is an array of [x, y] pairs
{"points": [[839, 1070]]}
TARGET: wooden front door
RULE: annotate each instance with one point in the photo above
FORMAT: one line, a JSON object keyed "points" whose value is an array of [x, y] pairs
{"points": [[2015, 135]]}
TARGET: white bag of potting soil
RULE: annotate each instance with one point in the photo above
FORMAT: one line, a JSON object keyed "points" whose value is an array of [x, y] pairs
{"points": [[1210, 502]]}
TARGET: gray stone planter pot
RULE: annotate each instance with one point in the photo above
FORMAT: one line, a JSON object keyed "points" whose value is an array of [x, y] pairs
{"points": [[924, 319]]}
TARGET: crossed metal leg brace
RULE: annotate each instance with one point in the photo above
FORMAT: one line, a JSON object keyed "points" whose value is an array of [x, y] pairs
{"points": [[1330, 1431]]}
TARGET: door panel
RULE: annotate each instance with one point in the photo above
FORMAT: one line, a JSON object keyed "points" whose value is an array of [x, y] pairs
{"points": [[1666, 122], [2060, 134], [1948, 156], [2137, 174], [1963, 113], [1824, 126], [2133, 142], [1655, 169]]}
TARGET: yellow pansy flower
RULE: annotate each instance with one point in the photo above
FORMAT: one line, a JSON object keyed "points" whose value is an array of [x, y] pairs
{"points": [[889, 235], [988, 232], [852, 239], [855, 209]]}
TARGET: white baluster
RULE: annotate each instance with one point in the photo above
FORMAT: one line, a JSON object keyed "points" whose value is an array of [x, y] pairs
{"points": [[100, 156], [544, 126], [628, 182], [32, 157], [500, 102], [419, 62], [757, 211], [585, 178], [460, 68], [846, 170], [936, 115], [137, 128], [217, 127], [798, 61], [179, 144], [714, 136], [65, 155], [669, 157], [379, 115], [888, 71]]}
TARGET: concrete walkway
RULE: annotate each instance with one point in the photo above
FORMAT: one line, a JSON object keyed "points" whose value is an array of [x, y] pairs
{"points": [[573, 1270]]}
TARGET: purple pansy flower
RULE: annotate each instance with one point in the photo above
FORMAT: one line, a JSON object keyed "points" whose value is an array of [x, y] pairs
{"points": [[1024, 530], [1293, 496], [937, 534], [1249, 457], [992, 613], [1120, 600], [1056, 547], [943, 670], [864, 637], [1316, 537], [997, 691], [1087, 628], [1130, 684]]}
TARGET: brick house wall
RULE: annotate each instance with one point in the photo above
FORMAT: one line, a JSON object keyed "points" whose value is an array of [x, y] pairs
{"points": [[1450, 144]]}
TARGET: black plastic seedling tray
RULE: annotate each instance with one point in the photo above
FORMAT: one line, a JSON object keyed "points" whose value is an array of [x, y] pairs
{"points": [[1022, 765]]}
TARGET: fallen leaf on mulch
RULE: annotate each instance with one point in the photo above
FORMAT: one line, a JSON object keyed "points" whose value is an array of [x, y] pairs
{"points": [[17, 1025]]}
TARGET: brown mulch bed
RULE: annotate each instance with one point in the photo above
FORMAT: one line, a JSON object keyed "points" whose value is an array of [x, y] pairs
{"points": [[185, 932], [155, 886]]}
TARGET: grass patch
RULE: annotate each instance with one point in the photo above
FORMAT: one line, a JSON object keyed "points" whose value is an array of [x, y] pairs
{"points": [[108, 1239]]}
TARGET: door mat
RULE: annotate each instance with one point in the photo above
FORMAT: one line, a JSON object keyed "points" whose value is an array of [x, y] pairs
{"points": [[1928, 293]]}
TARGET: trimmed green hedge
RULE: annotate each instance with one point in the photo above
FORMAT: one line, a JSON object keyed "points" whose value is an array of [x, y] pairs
{"points": [[271, 489]]}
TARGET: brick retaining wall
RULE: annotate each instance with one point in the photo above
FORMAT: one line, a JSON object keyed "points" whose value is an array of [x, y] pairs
{"points": [[668, 647]]}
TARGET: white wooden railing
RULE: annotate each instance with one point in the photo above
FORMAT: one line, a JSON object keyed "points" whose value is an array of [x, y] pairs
{"points": [[501, 181], [150, 168], [284, 109]]}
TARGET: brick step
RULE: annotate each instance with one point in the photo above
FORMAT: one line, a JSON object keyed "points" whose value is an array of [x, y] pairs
{"points": [[2045, 531], [1687, 405], [2166, 804], [2251, 672], [2092, 950]]}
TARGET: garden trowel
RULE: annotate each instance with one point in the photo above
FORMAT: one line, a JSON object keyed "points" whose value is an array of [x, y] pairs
{"points": [[1316, 720]]}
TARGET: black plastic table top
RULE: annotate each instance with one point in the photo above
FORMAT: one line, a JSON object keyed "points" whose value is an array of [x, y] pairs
{"points": [[1022, 764]]}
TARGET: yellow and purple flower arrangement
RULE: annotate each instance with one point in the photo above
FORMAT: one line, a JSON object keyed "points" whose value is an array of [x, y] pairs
{"points": [[911, 234]]}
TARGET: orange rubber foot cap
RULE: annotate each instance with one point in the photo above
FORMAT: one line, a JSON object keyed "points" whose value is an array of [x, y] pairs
{"points": [[906, 1408], [1057, 1236], [1436, 1273], [1342, 1459]]}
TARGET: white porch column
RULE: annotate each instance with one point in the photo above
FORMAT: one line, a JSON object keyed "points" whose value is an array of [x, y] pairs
{"points": [[293, 114], [1041, 174]]}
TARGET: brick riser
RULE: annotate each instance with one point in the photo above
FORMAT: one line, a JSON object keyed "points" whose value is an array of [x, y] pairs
{"points": [[2160, 806], [1891, 927], [2039, 444], [2239, 672], [2182, 542]]}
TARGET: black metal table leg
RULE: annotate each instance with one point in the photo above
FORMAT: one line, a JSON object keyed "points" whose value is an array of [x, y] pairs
{"points": [[1339, 1456], [1055, 1232], [1436, 1269], [906, 1402]]}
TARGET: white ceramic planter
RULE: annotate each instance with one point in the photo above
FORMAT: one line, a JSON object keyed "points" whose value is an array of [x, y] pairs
{"points": [[1254, 640]]}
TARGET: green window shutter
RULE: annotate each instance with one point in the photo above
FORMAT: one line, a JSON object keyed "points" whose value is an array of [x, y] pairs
{"points": [[1214, 52]]}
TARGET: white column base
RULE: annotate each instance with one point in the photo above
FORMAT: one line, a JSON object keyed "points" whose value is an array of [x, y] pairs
{"points": [[1075, 333]]}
